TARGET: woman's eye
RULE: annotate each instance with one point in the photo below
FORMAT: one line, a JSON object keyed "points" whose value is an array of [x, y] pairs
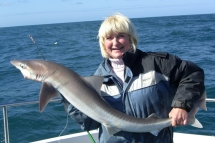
{"points": [[108, 38], [121, 35]]}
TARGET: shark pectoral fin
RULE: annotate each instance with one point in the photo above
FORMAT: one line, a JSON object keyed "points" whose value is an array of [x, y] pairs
{"points": [[47, 92], [194, 122], [95, 82], [110, 129]]}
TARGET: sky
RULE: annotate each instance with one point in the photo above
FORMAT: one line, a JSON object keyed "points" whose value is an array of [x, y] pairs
{"points": [[35, 12]]}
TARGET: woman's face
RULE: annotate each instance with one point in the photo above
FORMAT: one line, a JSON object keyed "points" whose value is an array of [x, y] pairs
{"points": [[117, 44]]}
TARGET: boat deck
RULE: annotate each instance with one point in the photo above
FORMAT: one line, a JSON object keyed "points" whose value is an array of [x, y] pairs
{"points": [[83, 138]]}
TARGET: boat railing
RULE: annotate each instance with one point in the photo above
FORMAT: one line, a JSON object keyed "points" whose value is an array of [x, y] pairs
{"points": [[5, 115]]}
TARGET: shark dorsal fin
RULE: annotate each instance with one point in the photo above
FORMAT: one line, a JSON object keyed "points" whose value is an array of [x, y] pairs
{"points": [[95, 82]]}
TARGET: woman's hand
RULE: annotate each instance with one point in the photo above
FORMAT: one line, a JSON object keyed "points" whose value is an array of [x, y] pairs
{"points": [[179, 117]]}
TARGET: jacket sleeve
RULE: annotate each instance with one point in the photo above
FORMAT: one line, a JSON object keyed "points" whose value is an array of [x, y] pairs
{"points": [[188, 80], [185, 77], [83, 120]]}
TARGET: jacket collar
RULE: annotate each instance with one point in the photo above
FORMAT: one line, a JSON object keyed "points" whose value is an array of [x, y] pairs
{"points": [[130, 58]]}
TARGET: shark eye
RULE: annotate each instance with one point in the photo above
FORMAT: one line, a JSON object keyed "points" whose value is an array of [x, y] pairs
{"points": [[23, 66]]}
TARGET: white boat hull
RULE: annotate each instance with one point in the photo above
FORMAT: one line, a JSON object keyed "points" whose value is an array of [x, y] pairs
{"points": [[84, 138]]}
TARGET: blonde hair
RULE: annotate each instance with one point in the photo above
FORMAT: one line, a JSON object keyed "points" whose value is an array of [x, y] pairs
{"points": [[117, 23]]}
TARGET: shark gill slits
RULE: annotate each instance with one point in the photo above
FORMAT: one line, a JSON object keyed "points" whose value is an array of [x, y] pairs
{"points": [[37, 76]]}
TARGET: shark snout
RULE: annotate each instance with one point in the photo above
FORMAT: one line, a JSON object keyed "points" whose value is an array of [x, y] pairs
{"points": [[14, 62], [19, 65]]}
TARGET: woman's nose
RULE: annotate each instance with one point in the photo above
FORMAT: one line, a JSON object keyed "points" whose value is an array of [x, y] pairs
{"points": [[115, 41]]}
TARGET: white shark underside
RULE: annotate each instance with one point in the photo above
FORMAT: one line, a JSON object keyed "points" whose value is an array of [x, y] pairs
{"points": [[83, 93]]}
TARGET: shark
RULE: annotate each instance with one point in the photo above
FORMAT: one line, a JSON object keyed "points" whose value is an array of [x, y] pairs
{"points": [[84, 94]]}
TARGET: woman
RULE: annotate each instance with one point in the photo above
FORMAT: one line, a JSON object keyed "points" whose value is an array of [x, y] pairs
{"points": [[139, 83]]}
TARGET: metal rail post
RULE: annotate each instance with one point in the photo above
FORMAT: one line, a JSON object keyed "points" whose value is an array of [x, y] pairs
{"points": [[6, 129]]}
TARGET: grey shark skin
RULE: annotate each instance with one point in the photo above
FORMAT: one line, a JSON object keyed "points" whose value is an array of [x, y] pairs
{"points": [[84, 95]]}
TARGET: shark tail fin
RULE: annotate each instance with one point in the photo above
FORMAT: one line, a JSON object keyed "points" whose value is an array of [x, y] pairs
{"points": [[201, 103], [194, 122]]}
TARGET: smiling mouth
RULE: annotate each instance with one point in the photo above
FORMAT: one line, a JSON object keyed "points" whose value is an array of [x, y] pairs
{"points": [[117, 48]]}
